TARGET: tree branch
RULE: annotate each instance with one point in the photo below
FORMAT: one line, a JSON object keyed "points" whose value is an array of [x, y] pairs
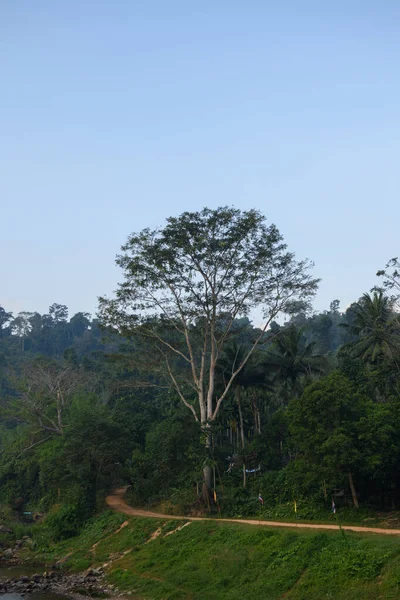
{"points": [[33, 445], [176, 385]]}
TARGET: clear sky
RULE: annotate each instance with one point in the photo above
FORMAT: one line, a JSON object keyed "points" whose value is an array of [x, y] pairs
{"points": [[115, 115]]}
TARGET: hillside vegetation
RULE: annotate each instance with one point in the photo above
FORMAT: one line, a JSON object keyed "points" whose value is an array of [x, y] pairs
{"points": [[159, 559]]}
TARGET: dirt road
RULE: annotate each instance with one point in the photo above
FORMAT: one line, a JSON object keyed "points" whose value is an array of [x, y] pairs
{"points": [[117, 502]]}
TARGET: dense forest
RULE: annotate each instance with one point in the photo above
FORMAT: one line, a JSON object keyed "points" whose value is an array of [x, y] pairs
{"points": [[173, 388]]}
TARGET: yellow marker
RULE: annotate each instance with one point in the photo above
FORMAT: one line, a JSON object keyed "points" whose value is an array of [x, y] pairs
{"points": [[295, 506], [215, 496]]}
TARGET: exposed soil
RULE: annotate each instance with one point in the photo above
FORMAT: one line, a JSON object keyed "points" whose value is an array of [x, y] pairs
{"points": [[117, 502]]}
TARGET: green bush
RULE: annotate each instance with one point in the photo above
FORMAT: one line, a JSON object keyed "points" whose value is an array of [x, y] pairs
{"points": [[65, 521]]}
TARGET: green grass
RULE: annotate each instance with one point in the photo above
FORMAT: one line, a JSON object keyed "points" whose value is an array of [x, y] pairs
{"points": [[222, 561], [215, 560]]}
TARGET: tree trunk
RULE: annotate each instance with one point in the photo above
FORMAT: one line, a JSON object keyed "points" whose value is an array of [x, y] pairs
{"points": [[237, 394], [207, 471], [254, 404], [324, 490], [353, 490], [257, 418]]}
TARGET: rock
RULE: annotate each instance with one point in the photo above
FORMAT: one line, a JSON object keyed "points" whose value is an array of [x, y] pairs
{"points": [[93, 572], [37, 516], [4, 529], [53, 575], [28, 542], [8, 553], [62, 561], [87, 583]]}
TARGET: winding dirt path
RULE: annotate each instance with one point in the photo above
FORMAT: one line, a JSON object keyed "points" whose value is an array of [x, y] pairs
{"points": [[117, 502]]}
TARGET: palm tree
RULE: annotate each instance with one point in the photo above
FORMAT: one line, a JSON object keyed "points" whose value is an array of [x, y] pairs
{"points": [[376, 327], [293, 358], [253, 375]]}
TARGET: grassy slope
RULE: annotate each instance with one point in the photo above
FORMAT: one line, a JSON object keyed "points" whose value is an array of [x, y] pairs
{"points": [[218, 561]]}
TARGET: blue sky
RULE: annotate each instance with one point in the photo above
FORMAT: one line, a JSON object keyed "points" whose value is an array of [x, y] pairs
{"points": [[115, 115]]}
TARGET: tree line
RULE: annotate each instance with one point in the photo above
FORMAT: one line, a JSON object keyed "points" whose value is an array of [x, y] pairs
{"points": [[172, 388]]}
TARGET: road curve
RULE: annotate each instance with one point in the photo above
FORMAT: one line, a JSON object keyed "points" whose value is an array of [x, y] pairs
{"points": [[117, 502]]}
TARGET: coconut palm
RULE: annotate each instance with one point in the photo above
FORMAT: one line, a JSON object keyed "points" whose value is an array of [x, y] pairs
{"points": [[293, 358], [376, 328]]}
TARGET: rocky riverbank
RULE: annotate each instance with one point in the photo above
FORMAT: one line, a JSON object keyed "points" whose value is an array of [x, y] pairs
{"points": [[90, 583]]}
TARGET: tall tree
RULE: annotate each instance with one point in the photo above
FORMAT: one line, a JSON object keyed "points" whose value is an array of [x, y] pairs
{"points": [[196, 276], [391, 275], [44, 391], [376, 328], [58, 313], [322, 423], [79, 323], [5, 318], [341, 432], [21, 326]]}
